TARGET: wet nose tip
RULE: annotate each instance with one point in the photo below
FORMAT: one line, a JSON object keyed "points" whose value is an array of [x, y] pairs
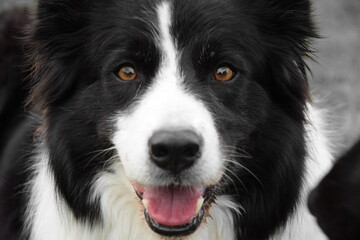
{"points": [[175, 151]]}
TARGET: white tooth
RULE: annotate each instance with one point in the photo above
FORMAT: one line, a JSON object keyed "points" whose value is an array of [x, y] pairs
{"points": [[145, 203], [199, 204]]}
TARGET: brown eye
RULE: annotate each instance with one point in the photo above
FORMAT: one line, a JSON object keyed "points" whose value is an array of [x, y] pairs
{"points": [[224, 74], [127, 73]]}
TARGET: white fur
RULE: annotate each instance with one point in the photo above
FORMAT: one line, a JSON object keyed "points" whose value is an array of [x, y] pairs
{"points": [[48, 217], [167, 105]]}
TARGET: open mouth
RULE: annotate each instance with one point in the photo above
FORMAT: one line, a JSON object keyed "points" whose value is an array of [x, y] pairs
{"points": [[174, 210]]}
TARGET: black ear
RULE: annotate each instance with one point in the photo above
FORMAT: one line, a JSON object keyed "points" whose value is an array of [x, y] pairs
{"points": [[288, 30], [290, 20], [55, 39]]}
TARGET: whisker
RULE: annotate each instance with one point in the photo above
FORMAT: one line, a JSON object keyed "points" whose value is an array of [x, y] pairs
{"points": [[245, 168], [236, 176], [233, 183], [110, 159], [239, 156], [99, 153], [102, 150], [234, 149]]}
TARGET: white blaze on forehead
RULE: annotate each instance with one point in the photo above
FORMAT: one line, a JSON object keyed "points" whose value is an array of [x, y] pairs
{"points": [[167, 42]]}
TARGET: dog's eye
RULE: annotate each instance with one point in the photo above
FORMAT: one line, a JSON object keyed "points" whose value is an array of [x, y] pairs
{"points": [[127, 73], [224, 74]]}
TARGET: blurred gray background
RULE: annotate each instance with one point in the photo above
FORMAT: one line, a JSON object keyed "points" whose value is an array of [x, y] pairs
{"points": [[335, 77]]}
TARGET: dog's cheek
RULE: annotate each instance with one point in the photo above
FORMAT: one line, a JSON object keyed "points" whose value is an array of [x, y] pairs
{"points": [[130, 142]]}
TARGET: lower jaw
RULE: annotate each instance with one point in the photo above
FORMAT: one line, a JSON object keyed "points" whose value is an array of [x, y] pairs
{"points": [[175, 231]]}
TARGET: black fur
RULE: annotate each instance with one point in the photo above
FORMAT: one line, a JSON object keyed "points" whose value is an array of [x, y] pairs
{"points": [[335, 201], [75, 47], [15, 126]]}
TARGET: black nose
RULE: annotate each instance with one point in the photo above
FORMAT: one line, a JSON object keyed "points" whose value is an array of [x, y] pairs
{"points": [[175, 151]]}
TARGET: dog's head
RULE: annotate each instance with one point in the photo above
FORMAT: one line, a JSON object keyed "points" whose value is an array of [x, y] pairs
{"points": [[175, 95]]}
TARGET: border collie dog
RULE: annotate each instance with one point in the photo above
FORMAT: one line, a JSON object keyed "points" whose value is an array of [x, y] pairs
{"points": [[160, 119]]}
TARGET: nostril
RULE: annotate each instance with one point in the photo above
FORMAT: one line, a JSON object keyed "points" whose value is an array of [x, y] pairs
{"points": [[159, 150], [191, 150]]}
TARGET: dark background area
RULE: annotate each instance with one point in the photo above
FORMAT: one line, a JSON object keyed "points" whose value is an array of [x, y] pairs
{"points": [[335, 79]]}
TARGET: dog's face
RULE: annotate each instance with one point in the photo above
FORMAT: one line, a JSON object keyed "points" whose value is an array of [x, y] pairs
{"points": [[176, 91], [182, 121]]}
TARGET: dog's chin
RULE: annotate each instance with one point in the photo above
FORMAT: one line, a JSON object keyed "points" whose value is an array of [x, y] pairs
{"points": [[174, 210], [171, 231]]}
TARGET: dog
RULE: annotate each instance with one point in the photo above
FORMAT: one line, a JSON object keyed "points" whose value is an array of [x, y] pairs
{"points": [[335, 201], [159, 120]]}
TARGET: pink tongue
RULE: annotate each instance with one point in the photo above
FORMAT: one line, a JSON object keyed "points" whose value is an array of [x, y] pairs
{"points": [[172, 206]]}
